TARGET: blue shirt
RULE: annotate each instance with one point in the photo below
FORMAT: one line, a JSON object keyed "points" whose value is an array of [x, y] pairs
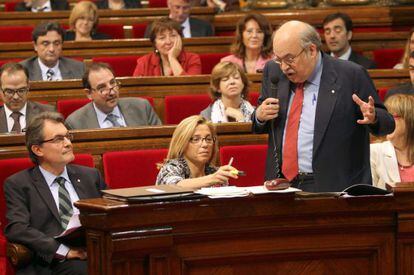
{"points": [[103, 122], [307, 118]]}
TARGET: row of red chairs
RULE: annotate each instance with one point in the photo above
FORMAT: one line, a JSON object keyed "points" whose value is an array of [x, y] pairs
{"points": [[137, 168]]}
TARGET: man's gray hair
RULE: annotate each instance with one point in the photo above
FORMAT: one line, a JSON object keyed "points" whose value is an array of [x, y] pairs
{"points": [[310, 36]]}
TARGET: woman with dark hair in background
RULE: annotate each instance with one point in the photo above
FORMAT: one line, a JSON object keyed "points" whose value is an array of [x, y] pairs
{"points": [[253, 45], [168, 58]]}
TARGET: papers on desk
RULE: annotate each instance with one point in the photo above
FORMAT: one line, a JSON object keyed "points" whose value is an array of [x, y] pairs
{"points": [[234, 191]]}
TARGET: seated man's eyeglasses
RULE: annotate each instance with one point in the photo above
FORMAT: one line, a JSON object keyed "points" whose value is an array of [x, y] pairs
{"points": [[59, 138], [20, 92], [105, 90], [289, 59], [199, 140]]}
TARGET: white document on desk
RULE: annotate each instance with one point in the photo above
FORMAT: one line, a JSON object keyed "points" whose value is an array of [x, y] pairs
{"points": [[260, 189]]}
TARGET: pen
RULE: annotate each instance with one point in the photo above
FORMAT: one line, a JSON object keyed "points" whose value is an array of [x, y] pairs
{"points": [[230, 161]]}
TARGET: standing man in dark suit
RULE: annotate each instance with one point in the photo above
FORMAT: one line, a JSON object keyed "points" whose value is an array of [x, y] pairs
{"points": [[106, 109], [16, 111], [318, 112], [42, 5], [192, 27], [40, 199], [49, 65], [337, 29]]}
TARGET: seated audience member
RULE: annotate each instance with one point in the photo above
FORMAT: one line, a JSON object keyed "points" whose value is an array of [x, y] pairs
{"points": [[393, 160], [169, 57], [229, 88], [118, 4], [191, 27], [253, 45], [83, 21], [221, 5], [41, 5], [40, 200], [16, 111], [49, 65], [106, 109], [407, 88], [337, 29], [191, 156], [409, 47]]}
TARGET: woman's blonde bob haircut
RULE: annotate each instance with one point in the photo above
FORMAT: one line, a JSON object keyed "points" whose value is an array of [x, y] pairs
{"points": [[183, 133], [226, 69], [84, 9], [402, 105]]}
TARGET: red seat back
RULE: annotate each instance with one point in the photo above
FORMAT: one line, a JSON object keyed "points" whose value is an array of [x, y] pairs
{"points": [[387, 58], [2, 62], [157, 3], [116, 31], [248, 158], [382, 92], [122, 65], [253, 97], [138, 30], [68, 106], [209, 60], [178, 107], [10, 5], [132, 168], [16, 33]]}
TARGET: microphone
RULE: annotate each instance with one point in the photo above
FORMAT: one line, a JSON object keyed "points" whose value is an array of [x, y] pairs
{"points": [[274, 80]]}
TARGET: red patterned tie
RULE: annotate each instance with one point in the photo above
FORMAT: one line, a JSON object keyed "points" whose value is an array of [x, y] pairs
{"points": [[290, 166]]}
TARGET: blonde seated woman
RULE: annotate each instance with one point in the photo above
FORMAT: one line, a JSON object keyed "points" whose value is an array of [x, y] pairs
{"points": [[83, 21], [393, 160], [191, 157], [229, 88]]}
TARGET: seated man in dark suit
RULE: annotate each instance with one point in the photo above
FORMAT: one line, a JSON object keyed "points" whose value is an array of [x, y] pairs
{"points": [[337, 29], [42, 5], [192, 27], [407, 88], [40, 199], [107, 109], [16, 110], [49, 65]]}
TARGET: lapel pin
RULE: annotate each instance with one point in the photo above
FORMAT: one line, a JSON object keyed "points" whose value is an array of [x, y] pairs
{"points": [[333, 91], [78, 180]]}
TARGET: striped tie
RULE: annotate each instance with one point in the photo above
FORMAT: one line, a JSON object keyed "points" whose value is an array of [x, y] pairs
{"points": [[113, 119], [49, 75], [65, 205]]}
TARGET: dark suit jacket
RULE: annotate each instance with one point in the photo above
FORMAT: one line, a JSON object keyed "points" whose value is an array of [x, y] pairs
{"points": [[69, 68], [407, 89], [71, 35], [340, 144], [55, 4], [32, 109], [362, 60], [32, 214], [129, 4], [198, 27]]}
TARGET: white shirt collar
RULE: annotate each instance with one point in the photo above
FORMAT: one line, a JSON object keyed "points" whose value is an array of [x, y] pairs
{"points": [[10, 120], [101, 116], [345, 56], [186, 28], [50, 178], [45, 7], [57, 75]]}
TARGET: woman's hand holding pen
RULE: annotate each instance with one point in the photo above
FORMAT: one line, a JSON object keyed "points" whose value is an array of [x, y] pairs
{"points": [[222, 175], [269, 109]]}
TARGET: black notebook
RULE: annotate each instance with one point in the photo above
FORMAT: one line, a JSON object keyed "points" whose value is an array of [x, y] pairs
{"points": [[364, 190]]}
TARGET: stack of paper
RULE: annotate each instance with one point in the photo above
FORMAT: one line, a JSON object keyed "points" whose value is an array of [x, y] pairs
{"points": [[224, 192]]}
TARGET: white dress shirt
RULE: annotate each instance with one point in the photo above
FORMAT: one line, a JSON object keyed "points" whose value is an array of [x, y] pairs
{"points": [[345, 56], [45, 7], [186, 28]]}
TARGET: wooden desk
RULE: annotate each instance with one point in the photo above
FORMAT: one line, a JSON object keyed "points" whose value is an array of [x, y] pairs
{"points": [[264, 234]]}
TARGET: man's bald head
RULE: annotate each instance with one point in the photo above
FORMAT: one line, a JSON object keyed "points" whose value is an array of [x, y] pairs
{"points": [[298, 32]]}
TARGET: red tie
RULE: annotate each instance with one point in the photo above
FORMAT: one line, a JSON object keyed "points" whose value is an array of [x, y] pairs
{"points": [[290, 166]]}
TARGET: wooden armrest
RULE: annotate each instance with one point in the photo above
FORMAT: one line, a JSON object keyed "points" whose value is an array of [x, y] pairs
{"points": [[19, 254]]}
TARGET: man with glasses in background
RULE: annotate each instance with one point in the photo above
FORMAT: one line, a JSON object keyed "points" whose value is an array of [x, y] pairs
{"points": [[319, 112], [16, 110], [40, 199], [106, 109]]}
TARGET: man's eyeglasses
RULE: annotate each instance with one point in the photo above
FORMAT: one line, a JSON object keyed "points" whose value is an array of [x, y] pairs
{"points": [[199, 140], [59, 138], [288, 60], [104, 90], [20, 92]]}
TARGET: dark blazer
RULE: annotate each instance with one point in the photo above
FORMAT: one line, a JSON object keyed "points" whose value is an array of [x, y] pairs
{"points": [[362, 60], [32, 109], [407, 89], [129, 4], [71, 35], [55, 4], [340, 144], [69, 68], [198, 27], [32, 214]]}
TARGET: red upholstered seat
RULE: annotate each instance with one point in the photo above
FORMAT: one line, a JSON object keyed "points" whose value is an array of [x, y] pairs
{"points": [[16, 33], [178, 107], [122, 65], [248, 158], [382, 92], [253, 97], [2, 62], [68, 106], [138, 30], [209, 60], [387, 58], [116, 31], [157, 3], [10, 5], [132, 168]]}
